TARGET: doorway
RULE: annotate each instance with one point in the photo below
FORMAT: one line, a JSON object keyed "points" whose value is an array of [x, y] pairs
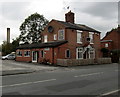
{"points": [[34, 56]]}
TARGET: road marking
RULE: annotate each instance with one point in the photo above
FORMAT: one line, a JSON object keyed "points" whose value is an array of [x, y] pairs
{"points": [[28, 83], [88, 74], [108, 93]]}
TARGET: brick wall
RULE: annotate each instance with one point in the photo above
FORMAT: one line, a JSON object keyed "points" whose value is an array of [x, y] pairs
{"points": [[77, 62], [114, 35]]}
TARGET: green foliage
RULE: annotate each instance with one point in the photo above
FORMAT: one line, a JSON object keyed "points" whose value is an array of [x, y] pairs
{"points": [[15, 44], [116, 52], [32, 27], [7, 48]]}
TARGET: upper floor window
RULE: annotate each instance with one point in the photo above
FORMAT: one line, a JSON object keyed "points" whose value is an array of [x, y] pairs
{"points": [[27, 53], [19, 53], [91, 37], [79, 36], [45, 38], [106, 44], [61, 34], [55, 36]]}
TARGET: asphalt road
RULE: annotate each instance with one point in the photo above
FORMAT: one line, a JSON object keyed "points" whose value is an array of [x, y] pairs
{"points": [[94, 80]]}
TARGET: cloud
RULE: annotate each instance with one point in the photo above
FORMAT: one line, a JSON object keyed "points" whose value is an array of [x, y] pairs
{"points": [[98, 14], [107, 10], [14, 10], [102, 16]]}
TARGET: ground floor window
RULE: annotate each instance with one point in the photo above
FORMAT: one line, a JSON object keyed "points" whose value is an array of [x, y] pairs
{"points": [[42, 53], [92, 54], [67, 53], [27, 53], [79, 53], [19, 53]]}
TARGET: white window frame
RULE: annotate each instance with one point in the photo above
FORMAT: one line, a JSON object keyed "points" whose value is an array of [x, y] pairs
{"points": [[66, 53], [28, 54], [55, 36], [91, 37], [45, 38], [106, 45], [63, 33], [47, 49], [79, 36], [93, 51], [81, 51], [19, 53]]}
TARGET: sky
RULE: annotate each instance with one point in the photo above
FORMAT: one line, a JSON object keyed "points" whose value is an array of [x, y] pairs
{"points": [[101, 15]]}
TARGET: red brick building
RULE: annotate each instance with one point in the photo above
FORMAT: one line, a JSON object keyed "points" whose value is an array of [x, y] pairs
{"points": [[62, 40], [111, 42]]}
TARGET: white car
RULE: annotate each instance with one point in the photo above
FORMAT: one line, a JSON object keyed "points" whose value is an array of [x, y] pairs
{"points": [[8, 57]]}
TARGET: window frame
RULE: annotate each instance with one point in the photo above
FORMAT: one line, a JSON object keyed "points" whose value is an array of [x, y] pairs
{"points": [[28, 54], [77, 51], [45, 38], [66, 53], [93, 51], [79, 39], [63, 37], [19, 53], [91, 38], [106, 45], [42, 53], [55, 36]]}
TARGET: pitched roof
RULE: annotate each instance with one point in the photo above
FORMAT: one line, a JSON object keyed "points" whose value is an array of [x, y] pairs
{"points": [[77, 26], [42, 45]]}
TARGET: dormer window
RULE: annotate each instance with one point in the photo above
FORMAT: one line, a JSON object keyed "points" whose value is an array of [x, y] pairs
{"points": [[79, 36]]}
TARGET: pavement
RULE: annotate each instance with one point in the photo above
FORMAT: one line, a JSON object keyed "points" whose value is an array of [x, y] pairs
{"points": [[11, 67]]}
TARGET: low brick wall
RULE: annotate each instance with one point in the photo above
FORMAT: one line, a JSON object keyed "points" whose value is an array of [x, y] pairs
{"points": [[119, 60], [104, 61], [76, 62]]}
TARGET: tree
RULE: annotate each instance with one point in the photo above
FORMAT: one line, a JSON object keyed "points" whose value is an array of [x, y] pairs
{"points": [[15, 44], [6, 48], [32, 27]]}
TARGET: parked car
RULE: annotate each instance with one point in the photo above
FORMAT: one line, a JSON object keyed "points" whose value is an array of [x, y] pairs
{"points": [[8, 57]]}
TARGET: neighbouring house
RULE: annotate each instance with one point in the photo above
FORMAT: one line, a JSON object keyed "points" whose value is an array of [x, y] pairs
{"points": [[62, 40], [110, 44]]}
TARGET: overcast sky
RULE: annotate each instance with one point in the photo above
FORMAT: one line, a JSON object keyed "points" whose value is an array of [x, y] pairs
{"points": [[101, 15]]}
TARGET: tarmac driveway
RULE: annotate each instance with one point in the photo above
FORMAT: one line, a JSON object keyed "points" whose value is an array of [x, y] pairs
{"points": [[8, 67]]}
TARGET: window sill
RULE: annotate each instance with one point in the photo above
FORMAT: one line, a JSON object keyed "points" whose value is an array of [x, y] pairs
{"points": [[91, 43], [79, 42]]}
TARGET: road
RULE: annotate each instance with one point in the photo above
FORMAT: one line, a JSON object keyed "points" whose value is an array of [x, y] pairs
{"points": [[93, 80]]}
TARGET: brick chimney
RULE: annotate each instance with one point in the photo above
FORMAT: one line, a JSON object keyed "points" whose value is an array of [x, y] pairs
{"points": [[69, 17], [8, 35]]}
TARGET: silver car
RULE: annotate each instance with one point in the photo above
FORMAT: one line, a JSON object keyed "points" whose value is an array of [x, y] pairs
{"points": [[8, 57]]}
